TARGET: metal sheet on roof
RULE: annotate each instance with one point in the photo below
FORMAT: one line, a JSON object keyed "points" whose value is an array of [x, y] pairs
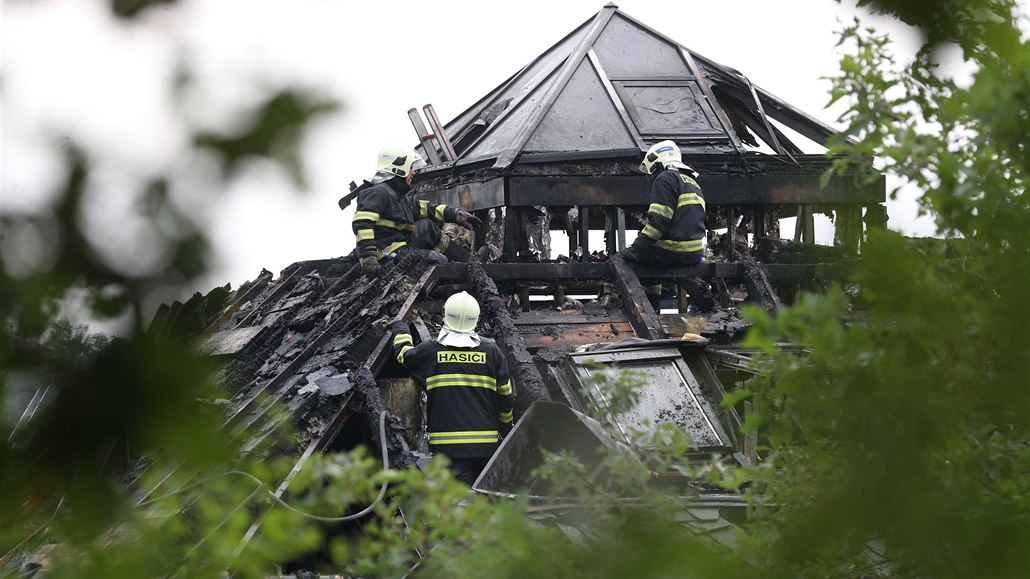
{"points": [[628, 50], [582, 118]]}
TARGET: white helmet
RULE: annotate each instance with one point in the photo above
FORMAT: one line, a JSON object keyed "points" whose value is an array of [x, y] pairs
{"points": [[399, 160], [461, 313], [666, 153]]}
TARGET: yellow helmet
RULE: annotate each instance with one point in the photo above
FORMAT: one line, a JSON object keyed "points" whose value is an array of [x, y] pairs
{"points": [[461, 313], [666, 153], [399, 160]]}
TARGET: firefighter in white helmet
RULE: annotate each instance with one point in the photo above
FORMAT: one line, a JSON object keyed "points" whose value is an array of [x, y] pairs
{"points": [[468, 388], [388, 219], [674, 232]]}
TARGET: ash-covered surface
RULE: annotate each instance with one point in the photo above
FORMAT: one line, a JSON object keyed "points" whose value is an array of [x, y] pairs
{"points": [[597, 309], [312, 336], [725, 326], [552, 354]]}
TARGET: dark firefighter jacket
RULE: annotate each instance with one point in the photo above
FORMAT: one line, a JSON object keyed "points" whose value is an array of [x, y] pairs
{"points": [[675, 218], [385, 217], [468, 392]]}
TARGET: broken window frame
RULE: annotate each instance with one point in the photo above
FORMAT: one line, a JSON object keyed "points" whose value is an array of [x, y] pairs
{"points": [[701, 384]]}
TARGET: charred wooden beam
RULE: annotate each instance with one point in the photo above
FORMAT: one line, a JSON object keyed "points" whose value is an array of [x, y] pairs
{"points": [[245, 295], [382, 350], [584, 230], [733, 271], [528, 384], [758, 288], [720, 189], [641, 315], [577, 335], [370, 403]]}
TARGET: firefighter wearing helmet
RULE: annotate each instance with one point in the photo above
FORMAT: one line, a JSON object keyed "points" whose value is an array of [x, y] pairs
{"points": [[674, 229], [468, 388], [389, 219]]}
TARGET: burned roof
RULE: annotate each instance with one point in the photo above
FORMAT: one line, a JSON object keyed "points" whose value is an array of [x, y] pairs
{"points": [[610, 88], [569, 128]]}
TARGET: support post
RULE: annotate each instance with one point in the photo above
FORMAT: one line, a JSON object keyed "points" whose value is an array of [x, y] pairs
{"points": [[584, 230], [730, 251], [527, 383], [809, 234], [512, 232], [610, 243], [681, 299], [620, 223]]}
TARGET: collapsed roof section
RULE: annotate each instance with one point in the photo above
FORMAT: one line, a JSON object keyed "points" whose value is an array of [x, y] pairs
{"points": [[612, 87]]}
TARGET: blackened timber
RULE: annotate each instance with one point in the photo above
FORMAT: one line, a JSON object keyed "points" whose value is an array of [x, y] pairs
{"points": [[584, 230], [422, 329], [641, 315], [528, 384], [732, 270], [281, 288], [720, 189], [503, 272], [507, 272], [244, 297], [370, 403], [758, 288], [547, 319], [378, 357]]}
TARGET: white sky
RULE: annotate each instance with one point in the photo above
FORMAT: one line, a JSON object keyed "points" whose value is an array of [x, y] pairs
{"points": [[70, 70]]}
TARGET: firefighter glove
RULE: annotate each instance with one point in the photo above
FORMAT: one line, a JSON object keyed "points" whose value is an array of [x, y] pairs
{"points": [[468, 220], [369, 263], [398, 327]]}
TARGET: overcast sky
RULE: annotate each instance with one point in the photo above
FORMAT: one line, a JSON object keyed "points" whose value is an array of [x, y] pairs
{"points": [[70, 69]]}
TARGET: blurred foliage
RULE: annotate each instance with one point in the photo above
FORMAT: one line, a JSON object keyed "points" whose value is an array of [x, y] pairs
{"points": [[110, 402], [898, 447], [276, 129], [130, 9]]}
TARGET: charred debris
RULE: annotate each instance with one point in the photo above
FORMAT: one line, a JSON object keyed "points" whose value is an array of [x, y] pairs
{"points": [[548, 161]]}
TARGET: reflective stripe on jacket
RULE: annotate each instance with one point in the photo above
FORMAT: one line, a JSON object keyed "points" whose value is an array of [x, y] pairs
{"points": [[675, 219], [385, 218], [468, 394]]}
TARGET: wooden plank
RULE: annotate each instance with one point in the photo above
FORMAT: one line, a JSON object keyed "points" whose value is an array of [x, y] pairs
{"points": [[508, 272], [550, 318], [642, 316], [675, 325], [550, 272], [580, 335], [720, 189], [472, 196]]}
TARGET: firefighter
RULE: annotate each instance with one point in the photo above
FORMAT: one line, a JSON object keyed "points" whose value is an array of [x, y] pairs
{"points": [[674, 232], [388, 219], [468, 389]]}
